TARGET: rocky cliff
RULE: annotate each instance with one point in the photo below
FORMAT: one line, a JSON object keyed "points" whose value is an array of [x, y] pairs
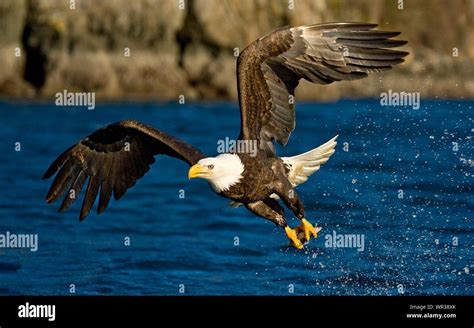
{"points": [[160, 49]]}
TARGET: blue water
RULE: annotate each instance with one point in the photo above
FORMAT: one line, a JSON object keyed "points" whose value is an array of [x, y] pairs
{"points": [[400, 181]]}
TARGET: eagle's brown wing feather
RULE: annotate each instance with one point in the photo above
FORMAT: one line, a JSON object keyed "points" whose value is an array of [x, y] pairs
{"points": [[113, 159], [269, 70]]}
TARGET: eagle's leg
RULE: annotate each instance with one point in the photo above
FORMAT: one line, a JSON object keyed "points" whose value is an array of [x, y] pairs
{"points": [[307, 230], [291, 199], [293, 237], [270, 209]]}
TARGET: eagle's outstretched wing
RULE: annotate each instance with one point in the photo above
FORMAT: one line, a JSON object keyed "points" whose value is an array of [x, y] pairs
{"points": [[269, 70], [113, 158]]}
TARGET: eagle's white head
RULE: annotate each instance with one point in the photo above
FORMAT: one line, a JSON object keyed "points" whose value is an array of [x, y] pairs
{"points": [[221, 172]]}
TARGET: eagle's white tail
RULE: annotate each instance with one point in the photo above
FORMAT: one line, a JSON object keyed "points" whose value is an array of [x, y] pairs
{"points": [[303, 165]]}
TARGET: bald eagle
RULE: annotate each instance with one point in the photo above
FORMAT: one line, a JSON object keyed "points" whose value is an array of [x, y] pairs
{"points": [[268, 72]]}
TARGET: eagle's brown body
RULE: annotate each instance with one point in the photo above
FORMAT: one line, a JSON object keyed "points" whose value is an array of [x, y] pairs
{"points": [[264, 172], [268, 175]]}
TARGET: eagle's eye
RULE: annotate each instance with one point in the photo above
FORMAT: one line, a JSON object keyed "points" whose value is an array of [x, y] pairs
{"points": [[210, 167]]}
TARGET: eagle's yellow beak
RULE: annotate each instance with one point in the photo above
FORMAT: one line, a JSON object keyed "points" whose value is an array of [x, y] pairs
{"points": [[198, 171]]}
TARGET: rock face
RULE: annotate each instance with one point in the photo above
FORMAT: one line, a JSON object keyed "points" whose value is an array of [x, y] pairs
{"points": [[12, 22], [161, 49], [115, 48]]}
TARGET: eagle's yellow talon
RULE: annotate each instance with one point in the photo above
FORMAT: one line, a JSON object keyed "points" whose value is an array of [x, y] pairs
{"points": [[292, 236], [308, 229]]}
